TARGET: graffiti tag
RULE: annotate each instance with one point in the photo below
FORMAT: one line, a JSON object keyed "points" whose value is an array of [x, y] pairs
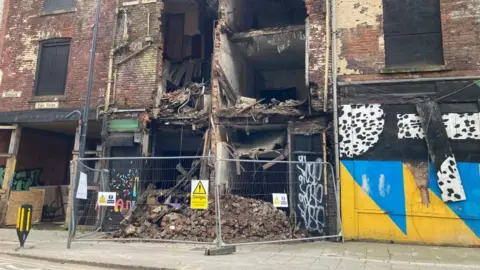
{"points": [[310, 195], [23, 179], [120, 205], [126, 185]]}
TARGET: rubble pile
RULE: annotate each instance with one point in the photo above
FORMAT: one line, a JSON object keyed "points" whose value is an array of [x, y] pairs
{"points": [[253, 220], [242, 219], [186, 101]]}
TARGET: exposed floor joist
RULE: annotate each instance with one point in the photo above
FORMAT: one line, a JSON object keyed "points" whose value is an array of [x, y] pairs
{"points": [[243, 36]]}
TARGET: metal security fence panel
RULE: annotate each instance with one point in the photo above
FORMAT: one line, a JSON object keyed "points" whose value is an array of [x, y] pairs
{"points": [[148, 199], [264, 201], [177, 199]]}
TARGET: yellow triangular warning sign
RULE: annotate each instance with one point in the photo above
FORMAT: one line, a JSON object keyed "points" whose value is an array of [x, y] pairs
{"points": [[200, 189], [276, 201], [102, 200]]}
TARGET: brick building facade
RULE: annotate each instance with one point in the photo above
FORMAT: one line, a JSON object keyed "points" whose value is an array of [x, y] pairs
{"points": [[408, 122]]}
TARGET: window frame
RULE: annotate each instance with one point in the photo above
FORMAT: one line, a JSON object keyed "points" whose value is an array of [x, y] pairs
{"points": [[415, 66], [45, 12], [41, 45]]}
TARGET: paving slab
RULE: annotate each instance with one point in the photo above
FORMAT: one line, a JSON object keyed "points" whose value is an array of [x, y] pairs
{"points": [[312, 255]]}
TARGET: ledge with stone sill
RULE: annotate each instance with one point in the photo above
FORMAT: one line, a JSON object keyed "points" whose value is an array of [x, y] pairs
{"points": [[55, 12], [59, 98]]}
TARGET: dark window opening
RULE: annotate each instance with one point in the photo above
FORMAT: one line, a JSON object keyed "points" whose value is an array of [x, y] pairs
{"points": [[52, 67], [244, 15], [267, 65], [279, 94], [187, 28], [58, 5], [413, 33]]}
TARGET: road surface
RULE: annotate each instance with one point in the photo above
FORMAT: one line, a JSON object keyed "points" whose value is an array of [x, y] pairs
{"points": [[16, 263]]}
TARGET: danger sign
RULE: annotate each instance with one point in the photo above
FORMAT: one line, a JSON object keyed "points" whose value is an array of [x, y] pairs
{"points": [[199, 194], [106, 198], [280, 200]]}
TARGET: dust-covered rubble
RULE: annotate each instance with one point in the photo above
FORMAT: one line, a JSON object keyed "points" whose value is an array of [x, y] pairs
{"points": [[242, 219]]}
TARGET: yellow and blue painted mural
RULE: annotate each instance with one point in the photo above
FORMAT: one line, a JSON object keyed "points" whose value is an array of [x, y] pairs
{"points": [[381, 201], [391, 192]]}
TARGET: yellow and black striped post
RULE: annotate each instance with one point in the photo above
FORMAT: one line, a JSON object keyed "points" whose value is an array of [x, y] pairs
{"points": [[24, 222]]}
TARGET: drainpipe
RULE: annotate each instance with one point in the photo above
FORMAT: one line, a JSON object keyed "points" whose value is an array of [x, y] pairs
{"points": [[327, 56], [335, 102], [111, 58]]}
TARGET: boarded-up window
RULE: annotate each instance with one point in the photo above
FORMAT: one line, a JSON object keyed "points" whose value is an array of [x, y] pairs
{"points": [[58, 5], [413, 33], [52, 67]]}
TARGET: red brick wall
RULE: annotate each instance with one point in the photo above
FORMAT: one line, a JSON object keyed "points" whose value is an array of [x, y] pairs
{"points": [[361, 47], [3, 22], [137, 80], [25, 28], [316, 54]]}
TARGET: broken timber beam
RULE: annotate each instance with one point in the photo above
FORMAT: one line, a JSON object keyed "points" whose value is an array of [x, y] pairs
{"points": [[10, 170], [8, 127], [273, 162], [244, 36], [251, 105]]}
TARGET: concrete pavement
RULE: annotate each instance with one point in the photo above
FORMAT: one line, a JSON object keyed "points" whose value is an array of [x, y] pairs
{"points": [[15, 263], [319, 255]]}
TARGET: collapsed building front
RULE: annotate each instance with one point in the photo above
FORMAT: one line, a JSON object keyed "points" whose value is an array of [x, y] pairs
{"points": [[234, 85]]}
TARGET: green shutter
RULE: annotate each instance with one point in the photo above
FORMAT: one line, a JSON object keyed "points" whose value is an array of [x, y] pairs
{"points": [[119, 125]]}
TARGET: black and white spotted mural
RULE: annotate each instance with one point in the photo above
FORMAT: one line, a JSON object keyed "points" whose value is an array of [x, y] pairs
{"points": [[459, 126], [449, 181], [360, 127], [462, 126], [409, 127], [383, 132]]}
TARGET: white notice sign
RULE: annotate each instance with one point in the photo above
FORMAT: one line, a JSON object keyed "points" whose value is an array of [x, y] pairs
{"points": [[280, 200], [82, 186], [46, 105], [106, 198]]}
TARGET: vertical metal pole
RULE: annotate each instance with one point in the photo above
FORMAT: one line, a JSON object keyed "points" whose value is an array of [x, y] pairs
{"points": [[71, 203], [335, 98], [86, 109], [218, 219], [291, 208]]}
